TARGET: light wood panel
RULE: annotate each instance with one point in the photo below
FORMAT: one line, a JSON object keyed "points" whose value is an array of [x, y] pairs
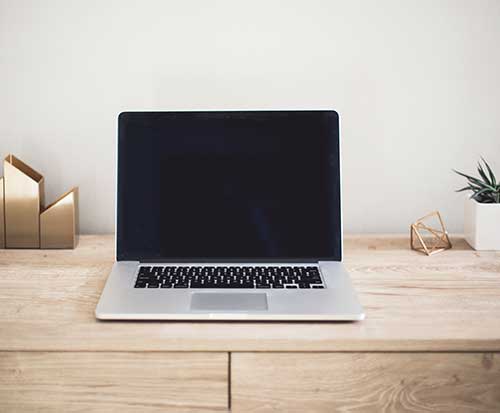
{"points": [[110, 382], [380, 382], [447, 302]]}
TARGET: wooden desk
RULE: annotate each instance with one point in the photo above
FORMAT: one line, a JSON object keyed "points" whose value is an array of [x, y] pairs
{"points": [[430, 342]]}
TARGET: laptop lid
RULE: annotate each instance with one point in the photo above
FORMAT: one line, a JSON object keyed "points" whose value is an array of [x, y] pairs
{"points": [[229, 186]]}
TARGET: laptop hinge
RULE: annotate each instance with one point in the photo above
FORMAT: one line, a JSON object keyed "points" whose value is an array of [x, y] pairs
{"points": [[232, 260]]}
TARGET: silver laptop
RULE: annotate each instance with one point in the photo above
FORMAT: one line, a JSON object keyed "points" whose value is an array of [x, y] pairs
{"points": [[232, 215]]}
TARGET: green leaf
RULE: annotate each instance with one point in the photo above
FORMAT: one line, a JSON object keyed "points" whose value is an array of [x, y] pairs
{"points": [[475, 181], [492, 175], [466, 176], [482, 191], [465, 188], [479, 184], [483, 175], [475, 187], [461, 174]]}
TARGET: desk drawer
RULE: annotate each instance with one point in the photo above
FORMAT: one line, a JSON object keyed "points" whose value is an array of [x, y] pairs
{"points": [[105, 382], [365, 382]]}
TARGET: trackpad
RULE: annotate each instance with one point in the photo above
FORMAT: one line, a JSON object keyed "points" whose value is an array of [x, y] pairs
{"points": [[228, 302]]}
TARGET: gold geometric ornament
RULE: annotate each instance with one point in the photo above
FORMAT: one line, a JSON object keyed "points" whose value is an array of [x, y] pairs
{"points": [[23, 202], [24, 222], [59, 222], [428, 234], [2, 216]]}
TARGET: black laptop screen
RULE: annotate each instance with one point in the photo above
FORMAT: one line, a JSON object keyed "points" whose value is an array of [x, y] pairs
{"points": [[228, 186]]}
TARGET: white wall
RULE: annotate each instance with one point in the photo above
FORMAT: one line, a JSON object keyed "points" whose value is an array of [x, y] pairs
{"points": [[416, 82]]}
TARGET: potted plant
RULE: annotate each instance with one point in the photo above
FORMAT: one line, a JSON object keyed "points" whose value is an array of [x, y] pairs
{"points": [[482, 209]]}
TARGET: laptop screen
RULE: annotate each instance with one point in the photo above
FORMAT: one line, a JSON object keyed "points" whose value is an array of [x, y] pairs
{"points": [[224, 186]]}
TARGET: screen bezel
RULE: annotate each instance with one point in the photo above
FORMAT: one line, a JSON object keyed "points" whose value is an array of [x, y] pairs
{"points": [[122, 254]]}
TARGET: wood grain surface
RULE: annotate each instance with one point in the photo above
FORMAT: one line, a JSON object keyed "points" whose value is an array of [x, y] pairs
{"points": [[111, 382], [377, 382], [447, 302]]}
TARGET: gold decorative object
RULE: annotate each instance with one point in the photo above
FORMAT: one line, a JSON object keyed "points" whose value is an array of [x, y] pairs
{"points": [[24, 222], [2, 216], [426, 238], [23, 200], [59, 223]]}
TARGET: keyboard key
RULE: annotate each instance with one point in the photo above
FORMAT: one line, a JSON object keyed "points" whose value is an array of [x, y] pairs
{"points": [[144, 270]]}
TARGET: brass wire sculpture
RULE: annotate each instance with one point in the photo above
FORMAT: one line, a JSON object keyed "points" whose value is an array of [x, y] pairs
{"points": [[428, 239]]}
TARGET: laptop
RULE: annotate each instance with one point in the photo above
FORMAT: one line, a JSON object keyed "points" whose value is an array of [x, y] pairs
{"points": [[229, 215]]}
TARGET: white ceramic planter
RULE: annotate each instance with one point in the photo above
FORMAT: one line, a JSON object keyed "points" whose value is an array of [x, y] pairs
{"points": [[482, 225]]}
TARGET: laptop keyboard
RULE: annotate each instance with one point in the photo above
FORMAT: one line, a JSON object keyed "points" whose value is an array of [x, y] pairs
{"points": [[293, 277]]}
